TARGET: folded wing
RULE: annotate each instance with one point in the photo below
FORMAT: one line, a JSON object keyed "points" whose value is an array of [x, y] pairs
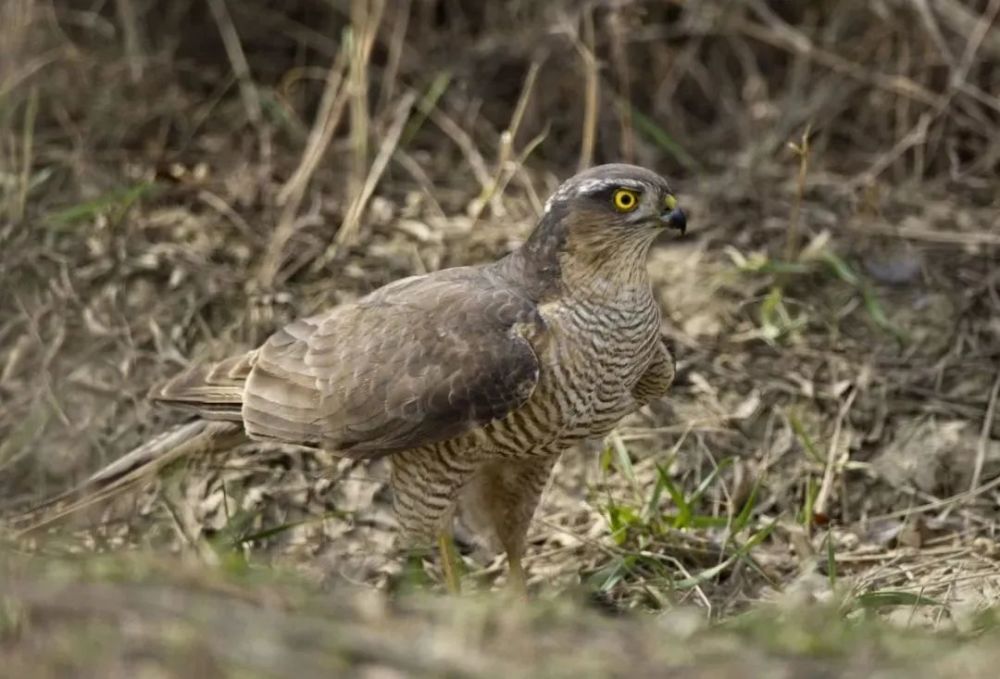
{"points": [[416, 362]]}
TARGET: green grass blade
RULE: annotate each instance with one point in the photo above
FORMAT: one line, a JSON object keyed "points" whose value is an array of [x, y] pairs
{"points": [[684, 509], [888, 598], [120, 199]]}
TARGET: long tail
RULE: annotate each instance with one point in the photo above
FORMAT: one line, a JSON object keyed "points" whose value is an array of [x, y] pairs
{"points": [[186, 440]]}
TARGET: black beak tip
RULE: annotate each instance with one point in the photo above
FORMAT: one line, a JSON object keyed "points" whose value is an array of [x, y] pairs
{"points": [[676, 219]]}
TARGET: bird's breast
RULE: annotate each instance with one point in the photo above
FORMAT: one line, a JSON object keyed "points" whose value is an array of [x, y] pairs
{"points": [[594, 355]]}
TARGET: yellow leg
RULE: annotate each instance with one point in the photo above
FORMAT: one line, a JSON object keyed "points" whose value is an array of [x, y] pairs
{"points": [[449, 563], [516, 580]]}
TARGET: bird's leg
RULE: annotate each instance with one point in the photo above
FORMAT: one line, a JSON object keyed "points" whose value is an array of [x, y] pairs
{"points": [[425, 484], [501, 498], [449, 562], [516, 580]]}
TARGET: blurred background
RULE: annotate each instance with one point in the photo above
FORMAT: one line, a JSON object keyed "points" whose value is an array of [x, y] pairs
{"points": [[178, 179]]}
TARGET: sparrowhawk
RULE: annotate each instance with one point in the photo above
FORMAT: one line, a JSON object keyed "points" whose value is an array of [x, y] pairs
{"points": [[472, 379]]}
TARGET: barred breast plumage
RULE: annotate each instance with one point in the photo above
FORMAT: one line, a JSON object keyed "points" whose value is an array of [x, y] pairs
{"points": [[597, 354]]}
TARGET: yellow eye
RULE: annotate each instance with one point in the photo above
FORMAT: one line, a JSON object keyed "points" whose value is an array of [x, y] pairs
{"points": [[669, 202], [625, 200]]}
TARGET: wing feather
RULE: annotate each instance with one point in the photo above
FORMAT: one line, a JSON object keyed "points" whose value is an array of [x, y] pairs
{"points": [[418, 361]]}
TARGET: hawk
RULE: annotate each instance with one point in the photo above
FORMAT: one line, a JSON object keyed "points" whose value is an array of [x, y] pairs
{"points": [[471, 379]]}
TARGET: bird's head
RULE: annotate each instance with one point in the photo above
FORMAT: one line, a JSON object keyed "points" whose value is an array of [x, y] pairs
{"points": [[616, 199], [606, 217]]}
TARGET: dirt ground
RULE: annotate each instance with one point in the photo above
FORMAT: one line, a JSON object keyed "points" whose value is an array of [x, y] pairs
{"points": [[819, 493]]}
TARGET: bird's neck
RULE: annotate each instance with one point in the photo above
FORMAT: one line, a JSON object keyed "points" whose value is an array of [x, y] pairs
{"points": [[597, 267], [603, 271]]}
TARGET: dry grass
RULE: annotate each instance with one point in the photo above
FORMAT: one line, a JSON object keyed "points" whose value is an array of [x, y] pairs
{"points": [[177, 179]]}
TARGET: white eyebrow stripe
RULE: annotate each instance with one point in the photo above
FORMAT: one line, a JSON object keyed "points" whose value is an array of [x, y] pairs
{"points": [[593, 186]]}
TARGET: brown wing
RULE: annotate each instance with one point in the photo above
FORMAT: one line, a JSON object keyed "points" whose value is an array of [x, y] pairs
{"points": [[419, 361]]}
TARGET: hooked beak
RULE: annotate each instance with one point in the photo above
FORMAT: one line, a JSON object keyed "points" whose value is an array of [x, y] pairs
{"points": [[675, 219]]}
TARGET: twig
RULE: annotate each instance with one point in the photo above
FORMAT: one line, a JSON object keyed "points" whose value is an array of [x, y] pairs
{"points": [[349, 227], [27, 153], [942, 503], [782, 35], [915, 137], [975, 41], [464, 142], [331, 108], [984, 435], [238, 60], [802, 151], [929, 235], [226, 210], [410, 164], [397, 41], [620, 58], [133, 41], [823, 496], [930, 24], [501, 176], [585, 49], [962, 20], [366, 15]]}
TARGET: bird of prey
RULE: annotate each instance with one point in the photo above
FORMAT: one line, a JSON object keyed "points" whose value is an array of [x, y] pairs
{"points": [[472, 379]]}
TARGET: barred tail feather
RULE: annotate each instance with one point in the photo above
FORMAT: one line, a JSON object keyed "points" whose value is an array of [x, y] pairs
{"points": [[185, 440]]}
